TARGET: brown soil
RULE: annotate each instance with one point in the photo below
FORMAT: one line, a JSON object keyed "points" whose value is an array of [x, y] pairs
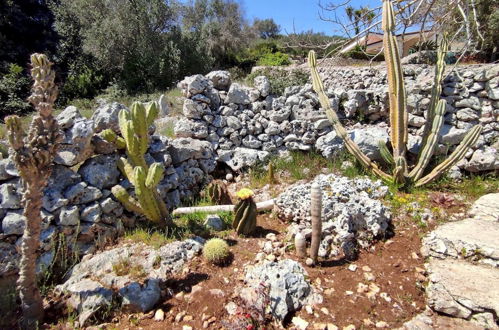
{"points": [[204, 290]]}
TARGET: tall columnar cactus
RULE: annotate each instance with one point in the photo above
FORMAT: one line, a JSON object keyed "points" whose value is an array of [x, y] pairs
{"points": [[134, 127], [33, 155], [398, 116], [245, 213], [316, 213]]}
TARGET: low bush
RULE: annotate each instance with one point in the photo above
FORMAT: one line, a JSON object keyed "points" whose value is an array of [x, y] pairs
{"points": [[281, 78], [14, 91], [274, 59]]}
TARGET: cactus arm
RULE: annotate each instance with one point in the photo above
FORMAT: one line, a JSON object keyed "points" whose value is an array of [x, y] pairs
{"points": [[468, 141], [436, 91], [396, 88], [110, 136], [127, 169], [123, 118], [152, 111], [145, 196], [352, 147], [429, 147], [385, 153], [128, 202], [154, 175], [140, 126]]}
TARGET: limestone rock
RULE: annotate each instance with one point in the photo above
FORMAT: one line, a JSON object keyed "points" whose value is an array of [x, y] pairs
{"points": [[101, 171], [288, 285], [220, 79], [106, 116]]}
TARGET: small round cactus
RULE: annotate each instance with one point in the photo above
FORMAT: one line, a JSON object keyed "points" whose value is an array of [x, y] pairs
{"points": [[216, 251]]}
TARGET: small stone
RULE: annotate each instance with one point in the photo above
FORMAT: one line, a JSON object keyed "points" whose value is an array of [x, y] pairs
{"points": [[385, 296], [328, 292], [309, 262], [309, 309], [352, 267], [366, 268], [381, 324], [231, 308], [349, 327], [368, 322], [271, 258], [331, 326], [180, 295], [214, 222], [414, 256], [186, 327], [159, 315], [180, 316], [325, 310], [188, 318], [299, 323], [349, 293], [369, 277], [361, 288]]}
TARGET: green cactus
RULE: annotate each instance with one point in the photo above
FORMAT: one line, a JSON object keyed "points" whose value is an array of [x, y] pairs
{"points": [[217, 193], [245, 213], [216, 251], [398, 116], [134, 126]]}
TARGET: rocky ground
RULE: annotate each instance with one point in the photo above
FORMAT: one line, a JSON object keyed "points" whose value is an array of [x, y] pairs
{"points": [[443, 278]]}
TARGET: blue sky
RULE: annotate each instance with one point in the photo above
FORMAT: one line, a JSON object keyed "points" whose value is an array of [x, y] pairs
{"points": [[304, 13]]}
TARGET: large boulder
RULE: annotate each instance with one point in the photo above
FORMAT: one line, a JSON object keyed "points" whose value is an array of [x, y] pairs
{"points": [[101, 171], [106, 116], [194, 85], [220, 79], [351, 210], [187, 128], [76, 146], [367, 138], [244, 157], [134, 272], [288, 285]]}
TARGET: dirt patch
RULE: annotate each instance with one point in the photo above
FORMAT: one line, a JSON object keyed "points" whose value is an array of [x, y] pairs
{"points": [[389, 273]]}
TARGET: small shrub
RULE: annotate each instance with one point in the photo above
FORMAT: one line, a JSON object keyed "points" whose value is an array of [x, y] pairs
{"points": [[84, 83], [274, 59], [280, 79], [14, 91], [124, 267], [216, 251]]}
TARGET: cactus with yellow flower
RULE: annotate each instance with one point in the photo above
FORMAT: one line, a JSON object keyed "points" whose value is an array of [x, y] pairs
{"points": [[245, 213]]}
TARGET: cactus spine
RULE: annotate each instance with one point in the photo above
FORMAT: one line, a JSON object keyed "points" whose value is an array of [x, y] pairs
{"points": [[134, 126], [33, 155], [245, 213], [398, 116], [316, 213]]}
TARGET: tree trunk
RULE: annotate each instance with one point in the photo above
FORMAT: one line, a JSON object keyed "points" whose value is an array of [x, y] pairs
{"points": [[32, 304]]}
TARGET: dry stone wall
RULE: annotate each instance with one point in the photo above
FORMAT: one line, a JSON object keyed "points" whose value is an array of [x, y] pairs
{"points": [[246, 124], [78, 202]]}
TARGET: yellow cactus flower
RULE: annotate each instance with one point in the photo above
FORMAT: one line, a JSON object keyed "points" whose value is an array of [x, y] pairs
{"points": [[244, 193]]}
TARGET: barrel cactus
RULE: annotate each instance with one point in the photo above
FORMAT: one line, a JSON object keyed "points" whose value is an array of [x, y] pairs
{"points": [[217, 193], [216, 251], [245, 213]]}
